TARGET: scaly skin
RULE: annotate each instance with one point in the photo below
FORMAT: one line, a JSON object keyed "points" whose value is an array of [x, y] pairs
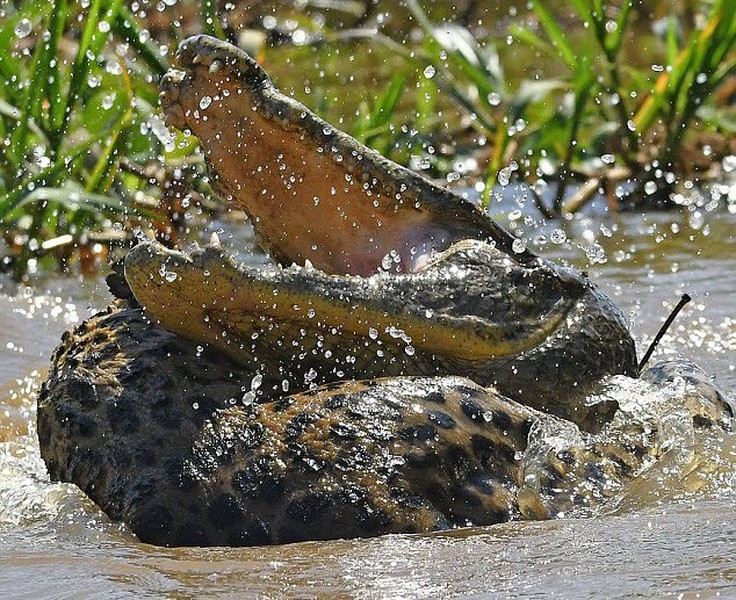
{"points": [[454, 389]]}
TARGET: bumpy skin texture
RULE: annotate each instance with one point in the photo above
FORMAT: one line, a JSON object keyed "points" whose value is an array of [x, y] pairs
{"points": [[154, 431], [152, 428]]}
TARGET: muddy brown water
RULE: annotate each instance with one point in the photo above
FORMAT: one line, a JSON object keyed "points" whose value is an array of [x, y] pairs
{"points": [[662, 538]]}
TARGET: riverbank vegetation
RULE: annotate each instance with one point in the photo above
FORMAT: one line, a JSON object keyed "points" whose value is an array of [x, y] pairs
{"points": [[630, 99]]}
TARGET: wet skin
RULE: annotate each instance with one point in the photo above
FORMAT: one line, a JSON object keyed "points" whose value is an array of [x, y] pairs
{"points": [[191, 410]]}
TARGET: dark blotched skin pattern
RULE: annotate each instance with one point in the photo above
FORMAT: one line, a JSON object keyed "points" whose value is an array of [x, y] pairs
{"points": [[539, 334], [155, 432], [191, 409]]}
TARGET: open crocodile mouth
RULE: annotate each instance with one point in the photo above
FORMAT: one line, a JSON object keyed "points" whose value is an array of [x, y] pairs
{"points": [[457, 298], [472, 311], [311, 191]]}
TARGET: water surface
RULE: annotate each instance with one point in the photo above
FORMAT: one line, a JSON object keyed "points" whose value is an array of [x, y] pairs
{"points": [[662, 538]]}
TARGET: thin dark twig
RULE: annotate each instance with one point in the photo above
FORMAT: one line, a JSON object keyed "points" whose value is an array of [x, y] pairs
{"points": [[541, 206], [662, 330]]}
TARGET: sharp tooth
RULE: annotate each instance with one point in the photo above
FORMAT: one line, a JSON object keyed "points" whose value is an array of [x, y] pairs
{"points": [[215, 241], [197, 59], [216, 66]]}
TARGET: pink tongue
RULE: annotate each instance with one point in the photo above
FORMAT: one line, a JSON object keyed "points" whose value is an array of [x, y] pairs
{"points": [[409, 251]]}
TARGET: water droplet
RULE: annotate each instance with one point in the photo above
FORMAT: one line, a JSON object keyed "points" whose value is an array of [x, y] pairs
{"points": [[430, 72], [299, 37], [596, 254], [107, 101], [204, 102], [256, 381], [504, 176], [170, 276], [650, 187], [373, 333], [558, 236], [386, 262], [23, 28], [518, 246]]}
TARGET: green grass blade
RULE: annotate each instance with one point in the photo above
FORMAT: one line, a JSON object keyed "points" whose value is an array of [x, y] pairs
{"points": [[555, 34], [90, 45], [584, 9], [663, 88], [615, 39], [31, 107], [104, 171], [210, 19], [48, 176], [426, 104], [462, 51], [386, 106], [527, 36], [126, 27], [71, 199], [10, 68], [673, 45], [54, 95]]}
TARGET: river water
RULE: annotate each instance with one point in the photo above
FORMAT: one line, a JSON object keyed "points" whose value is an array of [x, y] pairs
{"points": [[661, 539]]}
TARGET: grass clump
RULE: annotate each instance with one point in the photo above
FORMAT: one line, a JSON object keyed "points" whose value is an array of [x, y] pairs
{"points": [[598, 103], [84, 150]]}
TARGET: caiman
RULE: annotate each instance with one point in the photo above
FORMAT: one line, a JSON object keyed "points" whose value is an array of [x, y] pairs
{"points": [[399, 369]]}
